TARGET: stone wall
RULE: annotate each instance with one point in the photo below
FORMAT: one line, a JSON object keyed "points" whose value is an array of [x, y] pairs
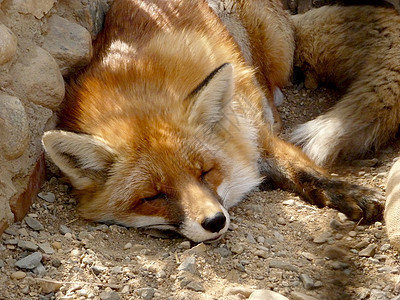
{"points": [[41, 41], [301, 6]]}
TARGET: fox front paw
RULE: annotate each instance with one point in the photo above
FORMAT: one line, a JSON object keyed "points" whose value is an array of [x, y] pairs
{"points": [[358, 203]]}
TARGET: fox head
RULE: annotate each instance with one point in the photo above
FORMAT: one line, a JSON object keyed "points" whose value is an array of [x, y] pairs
{"points": [[178, 171]]}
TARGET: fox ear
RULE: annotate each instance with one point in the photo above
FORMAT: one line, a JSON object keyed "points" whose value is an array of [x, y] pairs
{"points": [[83, 158], [213, 96]]}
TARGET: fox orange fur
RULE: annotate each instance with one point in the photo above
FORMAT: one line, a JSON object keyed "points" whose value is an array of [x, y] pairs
{"points": [[357, 49], [168, 127]]}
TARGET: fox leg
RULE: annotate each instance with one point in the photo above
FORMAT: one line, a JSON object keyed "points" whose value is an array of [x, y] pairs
{"points": [[287, 167], [366, 117]]}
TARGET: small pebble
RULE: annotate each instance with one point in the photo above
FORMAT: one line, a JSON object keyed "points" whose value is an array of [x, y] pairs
{"points": [[308, 283], [56, 263], [33, 223], [27, 245], [237, 248], [184, 245], [127, 246], [195, 286], [289, 202], [342, 217], [18, 275], [189, 265], [64, 229], [48, 197], [369, 251], [281, 221], [46, 248], [30, 262], [11, 231], [322, 238]]}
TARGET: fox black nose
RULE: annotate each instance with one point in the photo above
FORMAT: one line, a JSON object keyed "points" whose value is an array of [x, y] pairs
{"points": [[214, 223]]}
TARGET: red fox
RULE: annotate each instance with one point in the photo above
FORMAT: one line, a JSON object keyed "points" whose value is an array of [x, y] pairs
{"points": [[168, 126], [356, 48]]}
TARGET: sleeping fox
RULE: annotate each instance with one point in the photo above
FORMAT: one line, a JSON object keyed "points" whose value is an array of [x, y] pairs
{"points": [[170, 125], [357, 49]]}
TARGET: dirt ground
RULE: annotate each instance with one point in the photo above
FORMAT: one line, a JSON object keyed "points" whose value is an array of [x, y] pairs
{"points": [[276, 242]]}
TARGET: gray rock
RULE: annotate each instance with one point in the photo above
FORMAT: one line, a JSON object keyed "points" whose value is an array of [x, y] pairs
{"points": [[237, 248], [385, 247], [11, 242], [338, 265], [278, 236], [307, 281], [8, 44], [69, 43], [64, 229], [266, 294], [289, 202], [33, 223], [14, 127], [189, 265], [38, 8], [278, 264], [300, 296], [1, 263], [89, 14], [48, 197], [369, 251], [29, 262], [39, 69], [387, 269], [184, 245], [39, 270], [261, 253], [240, 267], [46, 248], [98, 269], [11, 231], [251, 239], [27, 245], [223, 251], [196, 286], [146, 293], [342, 217], [322, 237], [361, 244], [281, 221]]}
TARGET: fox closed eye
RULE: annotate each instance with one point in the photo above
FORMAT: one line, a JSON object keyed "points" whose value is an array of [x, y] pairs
{"points": [[155, 197], [205, 173]]}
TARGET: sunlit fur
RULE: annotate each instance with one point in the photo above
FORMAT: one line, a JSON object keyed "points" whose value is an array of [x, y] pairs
{"points": [[357, 49]]}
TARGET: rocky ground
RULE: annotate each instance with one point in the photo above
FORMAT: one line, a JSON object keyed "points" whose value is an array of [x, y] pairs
{"points": [[275, 242]]}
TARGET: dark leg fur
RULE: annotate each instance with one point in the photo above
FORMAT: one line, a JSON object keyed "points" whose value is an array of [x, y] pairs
{"points": [[289, 168]]}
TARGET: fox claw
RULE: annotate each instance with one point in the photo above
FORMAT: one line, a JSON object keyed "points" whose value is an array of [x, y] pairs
{"points": [[358, 203]]}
